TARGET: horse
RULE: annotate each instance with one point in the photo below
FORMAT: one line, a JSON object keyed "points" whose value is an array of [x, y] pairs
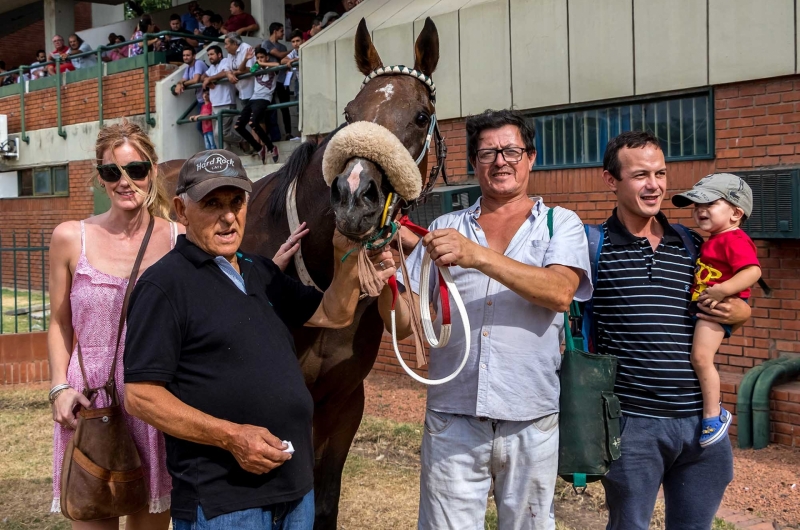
{"points": [[336, 362]]}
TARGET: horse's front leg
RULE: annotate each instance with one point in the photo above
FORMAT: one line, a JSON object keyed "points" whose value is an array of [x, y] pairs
{"points": [[334, 430]]}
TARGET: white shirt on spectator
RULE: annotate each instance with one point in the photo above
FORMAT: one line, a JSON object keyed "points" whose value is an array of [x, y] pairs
{"points": [[84, 62], [222, 93], [245, 86], [265, 86]]}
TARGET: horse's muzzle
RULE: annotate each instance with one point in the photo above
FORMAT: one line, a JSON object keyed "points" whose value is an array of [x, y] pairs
{"points": [[357, 199]]}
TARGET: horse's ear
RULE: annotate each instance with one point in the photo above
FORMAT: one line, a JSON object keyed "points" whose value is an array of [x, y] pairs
{"points": [[367, 58], [426, 49]]}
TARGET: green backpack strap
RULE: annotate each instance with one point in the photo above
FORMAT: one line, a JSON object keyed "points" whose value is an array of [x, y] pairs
{"points": [[574, 310]]}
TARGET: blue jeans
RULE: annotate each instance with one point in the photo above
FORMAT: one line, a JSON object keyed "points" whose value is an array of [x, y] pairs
{"points": [[208, 138], [295, 515], [666, 451], [462, 454]]}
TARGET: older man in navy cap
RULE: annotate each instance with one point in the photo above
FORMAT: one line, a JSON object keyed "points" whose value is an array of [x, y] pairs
{"points": [[210, 362]]}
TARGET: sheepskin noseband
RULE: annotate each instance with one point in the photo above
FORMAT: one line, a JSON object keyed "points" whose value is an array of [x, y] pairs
{"points": [[378, 144]]}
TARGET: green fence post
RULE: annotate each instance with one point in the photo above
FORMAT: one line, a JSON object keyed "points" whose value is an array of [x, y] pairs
{"points": [[100, 85], [44, 296], [30, 288], [61, 131], [22, 134], [220, 131], [147, 118], [14, 263]]}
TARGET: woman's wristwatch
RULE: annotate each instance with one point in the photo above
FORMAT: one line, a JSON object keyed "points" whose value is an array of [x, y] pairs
{"points": [[56, 391]]}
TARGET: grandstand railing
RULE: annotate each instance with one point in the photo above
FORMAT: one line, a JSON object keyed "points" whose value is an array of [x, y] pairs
{"points": [[22, 87], [184, 118]]}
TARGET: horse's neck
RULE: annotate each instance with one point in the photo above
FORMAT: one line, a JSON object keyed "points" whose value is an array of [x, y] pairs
{"points": [[314, 207]]}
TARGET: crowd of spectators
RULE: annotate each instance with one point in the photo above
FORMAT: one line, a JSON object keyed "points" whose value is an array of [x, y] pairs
{"points": [[258, 128]]}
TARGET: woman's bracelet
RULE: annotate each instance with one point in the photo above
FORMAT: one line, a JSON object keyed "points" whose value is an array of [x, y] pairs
{"points": [[56, 390]]}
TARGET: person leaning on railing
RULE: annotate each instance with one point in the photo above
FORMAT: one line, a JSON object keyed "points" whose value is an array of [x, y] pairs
{"points": [[78, 46], [89, 261]]}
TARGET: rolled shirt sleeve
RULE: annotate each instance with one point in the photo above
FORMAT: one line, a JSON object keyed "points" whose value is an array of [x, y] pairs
{"points": [[570, 248]]}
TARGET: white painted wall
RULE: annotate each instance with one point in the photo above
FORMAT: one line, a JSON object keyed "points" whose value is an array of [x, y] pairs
{"points": [[538, 53], [8, 185], [103, 14]]}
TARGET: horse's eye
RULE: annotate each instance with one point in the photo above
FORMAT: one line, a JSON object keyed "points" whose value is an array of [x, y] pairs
{"points": [[422, 119], [347, 117]]}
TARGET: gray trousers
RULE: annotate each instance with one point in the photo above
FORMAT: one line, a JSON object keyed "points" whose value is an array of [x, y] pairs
{"points": [[461, 455], [228, 132]]}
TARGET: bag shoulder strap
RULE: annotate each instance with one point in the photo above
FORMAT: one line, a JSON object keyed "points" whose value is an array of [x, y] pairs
{"points": [[569, 341], [688, 240], [110, 382], [594, 234]]}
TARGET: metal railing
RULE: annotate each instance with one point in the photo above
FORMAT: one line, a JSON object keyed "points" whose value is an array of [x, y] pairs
{"points": [[143, 40], [183, 119], [24, 301]]}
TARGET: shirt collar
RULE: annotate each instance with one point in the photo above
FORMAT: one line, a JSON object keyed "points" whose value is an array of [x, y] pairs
{"points": [[536, 210], [619, 235]]}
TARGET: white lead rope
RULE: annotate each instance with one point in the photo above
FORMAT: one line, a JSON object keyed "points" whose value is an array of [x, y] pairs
{"points": [[427, 322]]}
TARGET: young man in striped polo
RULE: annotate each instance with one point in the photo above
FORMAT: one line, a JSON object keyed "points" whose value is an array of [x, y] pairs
{"points": [[641, 315]]}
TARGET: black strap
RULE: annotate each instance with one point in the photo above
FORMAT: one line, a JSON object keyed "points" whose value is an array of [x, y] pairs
{"points": [[110, 385]]}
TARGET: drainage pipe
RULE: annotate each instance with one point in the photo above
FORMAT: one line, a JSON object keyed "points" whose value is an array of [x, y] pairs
{"points": [[778, 372], [744, 398]]}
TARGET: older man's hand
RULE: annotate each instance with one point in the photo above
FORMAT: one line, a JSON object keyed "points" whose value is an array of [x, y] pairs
{"points": [[384, 264], [256, 449], [447, 247]]}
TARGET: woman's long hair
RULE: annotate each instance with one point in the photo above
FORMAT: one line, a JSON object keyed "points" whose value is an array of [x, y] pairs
{"points": [[112, 136]]}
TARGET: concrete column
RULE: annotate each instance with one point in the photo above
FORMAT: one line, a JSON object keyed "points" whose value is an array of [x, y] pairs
{"points": [[266, 12], [59, 19], [103, 15]]}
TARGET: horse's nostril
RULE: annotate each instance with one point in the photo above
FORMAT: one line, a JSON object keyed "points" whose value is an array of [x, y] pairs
{"points": [[371, 193], [336, 195]]}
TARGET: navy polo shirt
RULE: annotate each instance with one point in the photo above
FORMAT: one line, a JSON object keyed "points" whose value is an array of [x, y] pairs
{"points": [[228, 354]]}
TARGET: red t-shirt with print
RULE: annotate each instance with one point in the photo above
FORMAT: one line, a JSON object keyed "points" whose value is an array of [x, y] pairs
{"points": [[721, 257]]}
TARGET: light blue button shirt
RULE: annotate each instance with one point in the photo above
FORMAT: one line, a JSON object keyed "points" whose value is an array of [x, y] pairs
{"points": [[226, 267], [515, 355]]}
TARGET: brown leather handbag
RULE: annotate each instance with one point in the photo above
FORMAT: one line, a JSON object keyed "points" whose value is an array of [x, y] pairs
{"points": [[102, 475]]}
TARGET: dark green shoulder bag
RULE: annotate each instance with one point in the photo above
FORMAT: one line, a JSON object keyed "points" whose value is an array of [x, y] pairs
{"points": [[589, 410]]}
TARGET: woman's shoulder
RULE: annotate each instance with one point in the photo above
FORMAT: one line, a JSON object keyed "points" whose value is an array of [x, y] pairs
{"points": [[66, 239]]}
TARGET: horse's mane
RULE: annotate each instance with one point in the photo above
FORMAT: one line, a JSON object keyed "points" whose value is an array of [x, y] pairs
{"points": [[291, 171]]}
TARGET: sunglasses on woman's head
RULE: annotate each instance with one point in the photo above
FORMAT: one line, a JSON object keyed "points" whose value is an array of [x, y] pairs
{"points": [[135, 170]]}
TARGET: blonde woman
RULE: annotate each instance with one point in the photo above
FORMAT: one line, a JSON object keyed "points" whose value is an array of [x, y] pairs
{"points": [[89, 262]]}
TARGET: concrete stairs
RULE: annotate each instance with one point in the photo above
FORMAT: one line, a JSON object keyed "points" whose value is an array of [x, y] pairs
{"points": [[256, 170]]}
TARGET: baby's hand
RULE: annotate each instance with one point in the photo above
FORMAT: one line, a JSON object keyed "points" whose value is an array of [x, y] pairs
{"points": [[712, 296]]}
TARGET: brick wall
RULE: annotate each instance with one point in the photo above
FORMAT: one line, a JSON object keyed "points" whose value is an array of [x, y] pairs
{"points": [[757, 126], [23, 358], [123, 95], [20, 46], [40, 216]]}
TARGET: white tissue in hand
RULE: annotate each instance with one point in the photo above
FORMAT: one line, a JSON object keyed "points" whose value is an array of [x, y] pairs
{"points": [[289, 449]]}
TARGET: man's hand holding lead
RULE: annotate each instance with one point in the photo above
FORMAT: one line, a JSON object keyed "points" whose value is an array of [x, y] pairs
{"points": [[447, 248]]}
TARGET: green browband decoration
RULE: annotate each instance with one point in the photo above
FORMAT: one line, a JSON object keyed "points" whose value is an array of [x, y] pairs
{"points": [[403, 70]]}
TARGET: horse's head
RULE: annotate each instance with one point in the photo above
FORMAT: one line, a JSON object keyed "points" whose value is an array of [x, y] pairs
{"points": [[401, 103]]}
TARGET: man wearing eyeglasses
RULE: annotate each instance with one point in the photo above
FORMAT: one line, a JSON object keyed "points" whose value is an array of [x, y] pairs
{"points": [[498, 419]]}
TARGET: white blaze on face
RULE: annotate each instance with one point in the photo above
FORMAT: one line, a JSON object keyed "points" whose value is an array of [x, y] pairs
{"points": [[388, 92], [355, 177]]}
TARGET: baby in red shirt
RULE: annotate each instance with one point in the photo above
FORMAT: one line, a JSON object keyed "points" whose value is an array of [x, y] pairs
{"points": [[727, 266]]}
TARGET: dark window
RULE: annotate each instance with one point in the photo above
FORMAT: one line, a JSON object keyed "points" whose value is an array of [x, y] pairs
{"points": [[43, 181], [579, 137]]}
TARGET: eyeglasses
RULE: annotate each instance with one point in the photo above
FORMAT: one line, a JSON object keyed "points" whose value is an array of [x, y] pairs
{"points": [[512, 155], [134, 170]]}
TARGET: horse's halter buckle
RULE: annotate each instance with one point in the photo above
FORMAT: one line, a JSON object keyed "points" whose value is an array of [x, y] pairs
{"points": [[433, 131]]}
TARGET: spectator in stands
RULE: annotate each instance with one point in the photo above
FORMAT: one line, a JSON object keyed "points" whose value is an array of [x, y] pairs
{"points": [[188, 19], [255, 111], [214, 29], [277, 52], [6, 79], [240, 22], [61, 52], [199, 14], [329, 18], [174, 45], [221, 94], [145, 26], [78, 46], [292, 77], [115, 53], [316, 27], [206, 127], [39, 71], [242, 57], [193, 73]]}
